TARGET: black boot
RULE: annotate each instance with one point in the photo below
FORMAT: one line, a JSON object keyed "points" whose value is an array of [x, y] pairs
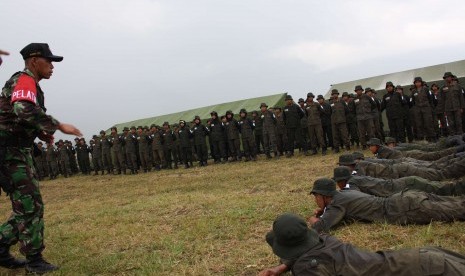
{"points": [[7, 260], [38, 265]]}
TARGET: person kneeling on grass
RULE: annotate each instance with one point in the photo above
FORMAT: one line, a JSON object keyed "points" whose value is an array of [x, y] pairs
{"points": [[406, 207], [304, 252]]}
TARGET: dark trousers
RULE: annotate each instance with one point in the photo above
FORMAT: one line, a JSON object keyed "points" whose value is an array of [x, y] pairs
{"points": [[201, 151], [186, 155], [328, 135], [397, 129], [455, 122], [219, 150]]}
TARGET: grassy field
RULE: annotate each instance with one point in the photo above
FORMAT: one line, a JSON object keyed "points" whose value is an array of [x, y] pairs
{"points": [[201, 221]]}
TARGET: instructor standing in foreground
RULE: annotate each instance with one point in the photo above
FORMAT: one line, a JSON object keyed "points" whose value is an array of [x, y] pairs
{"points": [[22, 120]]}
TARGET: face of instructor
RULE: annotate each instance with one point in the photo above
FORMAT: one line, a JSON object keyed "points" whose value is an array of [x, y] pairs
{"points": [[41, 67]]}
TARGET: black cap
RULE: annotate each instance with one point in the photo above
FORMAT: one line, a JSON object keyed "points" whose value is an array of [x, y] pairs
{"points": [[263, 105], [357, 155], [214, 113], [310, 95], [39, 50], [125, 129], [341, 173], [358, 87], [368, 89], [346, 159], [166, 123], [320, 97], [301, 100], [389, 83], [417, 79], [345, 94], [288, 97], [334, 91], [399, 87], [243, 111]]}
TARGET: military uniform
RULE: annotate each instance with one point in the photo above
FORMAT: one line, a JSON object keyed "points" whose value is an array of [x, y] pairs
{"points": [[39, 160], [96, 151], [246, 127], [363, 108], [292, 113], [393, 102], [185, 136], [326, 123], [117, 150], [157, 148], [269, 121], [217, 138], [23, 118], [313, 112], [232, 132], [199, 135], [52, 161], [143, 142], [281, 136], [106, 152], [422, 101], [339, 109], [83, 156], [168, 139], [389, 153], [453, 104], [258, 132], [351, 119], [63, 159], [407, 207], [130, 149]]}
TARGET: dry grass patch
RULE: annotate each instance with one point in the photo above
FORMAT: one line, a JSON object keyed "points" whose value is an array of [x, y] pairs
{"points": [[201, 221]]}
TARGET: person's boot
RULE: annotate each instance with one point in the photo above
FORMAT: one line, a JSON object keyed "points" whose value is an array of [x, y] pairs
{"points": [[38, 265], [7, 260]]}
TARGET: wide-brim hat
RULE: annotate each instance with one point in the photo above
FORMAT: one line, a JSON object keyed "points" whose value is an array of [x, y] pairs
{"points": [[320, 97], [334, 91], [291, 237], [417, 79], [447, 74], [288, 97], [389, 83], [324, 186], [263, 105], [358, 87], [345, 94], [374, 142], [346, 159], [341, 173], [310, 95], [301, 100]]}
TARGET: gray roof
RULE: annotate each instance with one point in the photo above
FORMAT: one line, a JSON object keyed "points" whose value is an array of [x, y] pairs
{"points": [[430, 74]]}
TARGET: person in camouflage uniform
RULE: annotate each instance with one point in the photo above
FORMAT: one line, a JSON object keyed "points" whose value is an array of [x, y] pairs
{"points": [[23, 118], [422, 100], [246, 128], [406, 207], [52, 161], [39, 160], [117, 150], [106, 152]]}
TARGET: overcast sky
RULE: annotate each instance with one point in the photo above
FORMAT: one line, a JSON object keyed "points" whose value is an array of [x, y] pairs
{"points": [[127, 60]]}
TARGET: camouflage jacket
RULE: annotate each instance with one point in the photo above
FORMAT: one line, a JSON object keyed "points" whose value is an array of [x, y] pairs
{"points": [[22, 110]]}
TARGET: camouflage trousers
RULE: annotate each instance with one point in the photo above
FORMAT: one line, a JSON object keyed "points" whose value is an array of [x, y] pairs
{"points": [[26, 223]]}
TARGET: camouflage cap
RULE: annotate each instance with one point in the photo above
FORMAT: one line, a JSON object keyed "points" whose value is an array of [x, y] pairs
{"points": [[324, 186], [291, 237], [341, 173], [346, 159], [39, 50]]}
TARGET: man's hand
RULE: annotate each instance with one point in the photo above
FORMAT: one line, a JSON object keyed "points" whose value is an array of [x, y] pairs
{"points": [[274, 271], [318, 212], [4, 53], [313, 220], [69, 129]]}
